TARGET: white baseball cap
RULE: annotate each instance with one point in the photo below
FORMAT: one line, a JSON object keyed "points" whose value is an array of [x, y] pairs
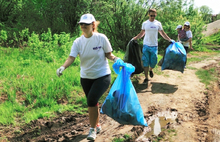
{"points": [[178, 27], [187, 23], [87, 18]]}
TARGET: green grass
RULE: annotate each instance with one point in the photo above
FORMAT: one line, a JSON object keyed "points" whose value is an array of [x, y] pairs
{"points": [[32, 89], [197, 59], [207, 76], [191, 68], [125, 138], [213, 39]]}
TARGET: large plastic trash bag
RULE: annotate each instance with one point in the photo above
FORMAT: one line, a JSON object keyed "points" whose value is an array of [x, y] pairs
{"points": [[175, 57], [133, 56], [122, 103]]}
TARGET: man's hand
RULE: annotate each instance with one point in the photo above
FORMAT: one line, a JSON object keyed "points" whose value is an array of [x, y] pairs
{"points": [[172, 41], [133, 39], [60, 70]]}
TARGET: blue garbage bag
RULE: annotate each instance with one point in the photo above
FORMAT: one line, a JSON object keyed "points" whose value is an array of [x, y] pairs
{"points": [[175, 57], [122, 103]]}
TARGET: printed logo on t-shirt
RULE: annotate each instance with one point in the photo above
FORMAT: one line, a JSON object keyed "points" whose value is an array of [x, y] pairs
{"points": [[96, 48], [153, 27]]}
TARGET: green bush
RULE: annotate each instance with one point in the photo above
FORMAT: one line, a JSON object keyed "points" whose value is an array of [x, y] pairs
{"points": [[3, 37]]}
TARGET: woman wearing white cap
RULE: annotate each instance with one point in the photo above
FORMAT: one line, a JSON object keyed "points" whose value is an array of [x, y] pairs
{"points": [[181, 33], [188, 43], [189, 35], [93, 49]]}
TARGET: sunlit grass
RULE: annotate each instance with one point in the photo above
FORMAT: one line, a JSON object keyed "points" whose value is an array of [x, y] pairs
{"points": [[196, 59], [126, 137], [51, 111], [200, 56], [32, 89], [207, 76]]}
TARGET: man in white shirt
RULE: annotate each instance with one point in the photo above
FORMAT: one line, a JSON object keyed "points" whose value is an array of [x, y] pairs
{"points": [[150, 29]]}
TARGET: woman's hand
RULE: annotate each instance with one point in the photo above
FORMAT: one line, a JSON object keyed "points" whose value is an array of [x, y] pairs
{"points": [[60, 70]]}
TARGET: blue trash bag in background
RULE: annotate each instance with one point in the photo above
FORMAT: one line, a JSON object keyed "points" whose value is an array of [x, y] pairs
{"points": [[122, 103], [175, 57]]}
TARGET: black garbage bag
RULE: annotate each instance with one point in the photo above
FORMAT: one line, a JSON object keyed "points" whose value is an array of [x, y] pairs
{"points": [[133, 56]]}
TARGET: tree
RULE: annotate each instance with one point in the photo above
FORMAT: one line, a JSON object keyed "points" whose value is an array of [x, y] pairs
{"points": [[9, 12], [206, 13], [120, 20]]}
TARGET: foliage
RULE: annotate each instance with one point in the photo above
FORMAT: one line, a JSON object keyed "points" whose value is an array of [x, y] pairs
{"points": [[218, 16], [42, 46], [38, 15], [126, 137], [210, 75], [213, 39], [3, 36], [120, 19], [9, 11], [197, 26], [125, 18], [206, 13]]}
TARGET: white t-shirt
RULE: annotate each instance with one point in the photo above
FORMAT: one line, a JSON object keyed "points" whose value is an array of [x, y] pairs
{"points": [[91, 51], [151, 32], [189, 35]]}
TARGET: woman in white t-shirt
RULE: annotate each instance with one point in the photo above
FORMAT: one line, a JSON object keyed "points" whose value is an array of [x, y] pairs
{"points": [[93, 49], [188, 43], [189, 35]]}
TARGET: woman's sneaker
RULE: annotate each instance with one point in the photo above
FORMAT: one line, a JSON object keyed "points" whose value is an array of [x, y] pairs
{"points": [[98, 128], [92, 134]]}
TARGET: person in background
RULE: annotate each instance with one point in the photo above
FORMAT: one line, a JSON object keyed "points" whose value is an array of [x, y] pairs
{"points": [[93, 49], [150, 29], [181, 33], [188, 43]]}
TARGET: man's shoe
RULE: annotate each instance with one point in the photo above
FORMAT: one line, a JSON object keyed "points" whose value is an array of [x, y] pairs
{"points": [[146, 81], [151, 74], [92, 134], [98, 128]]}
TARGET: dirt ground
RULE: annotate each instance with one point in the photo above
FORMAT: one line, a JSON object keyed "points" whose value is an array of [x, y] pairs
{"points": [[212, 28], [197, 109]]}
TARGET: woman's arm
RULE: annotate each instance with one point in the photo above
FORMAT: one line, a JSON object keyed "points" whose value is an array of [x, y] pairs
{"points": [[190, 43], [68, 61], [110, 56]]}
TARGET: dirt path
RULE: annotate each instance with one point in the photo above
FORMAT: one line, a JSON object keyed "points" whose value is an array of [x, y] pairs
{"points": [[173, 90]]}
